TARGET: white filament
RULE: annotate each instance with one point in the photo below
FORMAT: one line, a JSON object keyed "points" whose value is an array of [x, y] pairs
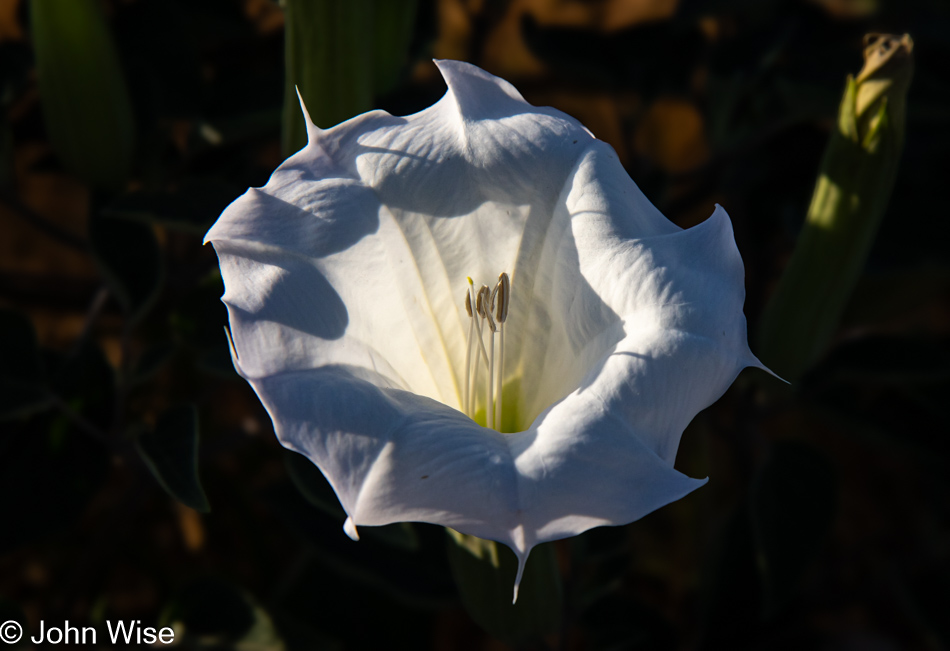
{"points": [[490, 419], [501, 369], [481, 319]]}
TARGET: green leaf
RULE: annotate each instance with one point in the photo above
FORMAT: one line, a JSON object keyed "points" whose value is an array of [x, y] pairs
{"points": [[484, 572], [21, 378], [792, 507], [85, 100], [329, 58], [171, 453], [340, 55], [393, 24], [130, 261]]}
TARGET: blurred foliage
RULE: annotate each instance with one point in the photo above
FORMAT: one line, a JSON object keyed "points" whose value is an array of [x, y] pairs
{"points": [[127, 126], [85, 101], [171, 452], [339, 56]]}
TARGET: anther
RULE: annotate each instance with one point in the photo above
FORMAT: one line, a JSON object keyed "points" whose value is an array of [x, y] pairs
{"points": [[499, 305], [480, 311], [503, 290], [484, 307]]}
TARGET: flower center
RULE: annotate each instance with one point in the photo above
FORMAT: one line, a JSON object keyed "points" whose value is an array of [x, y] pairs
{"points": [[483, 401]]}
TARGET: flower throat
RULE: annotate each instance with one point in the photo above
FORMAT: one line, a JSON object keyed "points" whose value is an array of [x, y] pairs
{"points": [[488, 311]]}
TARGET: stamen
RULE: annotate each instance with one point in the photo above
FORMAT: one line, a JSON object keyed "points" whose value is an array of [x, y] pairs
{"points": [[491, 307], [485, 311], [501, 371], [503, 291], [474, 297], [474, 300], [487, 305]]}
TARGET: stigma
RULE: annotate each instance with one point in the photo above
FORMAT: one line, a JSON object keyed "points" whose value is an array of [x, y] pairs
{"points": [[487, 310]]}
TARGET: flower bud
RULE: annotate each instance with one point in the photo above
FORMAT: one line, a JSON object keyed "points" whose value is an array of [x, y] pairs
{"points": [[883, 80], [851, 194]]}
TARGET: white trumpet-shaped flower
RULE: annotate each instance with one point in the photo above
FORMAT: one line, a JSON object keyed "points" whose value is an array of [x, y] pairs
{"points": [[547, 402]]}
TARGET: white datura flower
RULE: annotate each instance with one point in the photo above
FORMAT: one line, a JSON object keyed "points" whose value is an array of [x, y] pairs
{"points": [[471, 316]]}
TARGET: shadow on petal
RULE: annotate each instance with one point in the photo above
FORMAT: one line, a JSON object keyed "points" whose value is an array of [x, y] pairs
{"points": [[286, 290], [333, 216]]}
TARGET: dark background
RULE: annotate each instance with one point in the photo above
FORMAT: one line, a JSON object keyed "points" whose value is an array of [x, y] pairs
{"points": [[825, 521]]}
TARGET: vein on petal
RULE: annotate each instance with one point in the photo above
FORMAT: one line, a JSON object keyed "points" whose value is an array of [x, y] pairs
{"points": [[423, 289]]}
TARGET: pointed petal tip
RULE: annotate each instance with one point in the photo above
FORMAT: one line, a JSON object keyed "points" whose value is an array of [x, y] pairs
{"points": [[303, 106], [477, 93], [719, 213], [718, 223], [775, 375], [312, 129], [522, 559], [349, 528], [446, 65], [754, 362]]}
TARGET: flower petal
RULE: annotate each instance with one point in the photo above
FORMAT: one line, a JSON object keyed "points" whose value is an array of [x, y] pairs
{"points": [[344, 277], [394, 456]]}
